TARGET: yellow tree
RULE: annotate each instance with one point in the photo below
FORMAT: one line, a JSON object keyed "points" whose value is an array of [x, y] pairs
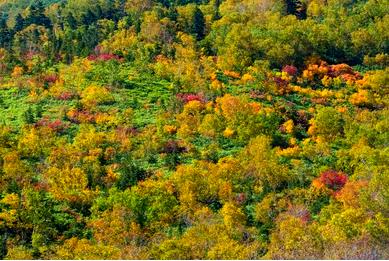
{"points": [[260, 162], [68, 183], [293, 239]]}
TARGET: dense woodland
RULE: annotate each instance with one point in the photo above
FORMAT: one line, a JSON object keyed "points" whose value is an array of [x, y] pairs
{"points": [[194, 129]]}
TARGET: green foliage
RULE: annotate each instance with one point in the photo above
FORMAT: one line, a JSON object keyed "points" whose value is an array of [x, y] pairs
{"points": [[221, 129]]}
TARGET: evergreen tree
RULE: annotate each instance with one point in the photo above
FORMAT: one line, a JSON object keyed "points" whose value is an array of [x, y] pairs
{"points": [[5, 34], [198, 24], [29, 116], [37, 15], [19, 23], [297, 8], [71, 21], [172, 13], [99, 12], [216, 13], [88, 18]]}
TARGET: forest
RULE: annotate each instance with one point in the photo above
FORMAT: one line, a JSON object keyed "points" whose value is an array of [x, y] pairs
{"points": [[194, 129]]}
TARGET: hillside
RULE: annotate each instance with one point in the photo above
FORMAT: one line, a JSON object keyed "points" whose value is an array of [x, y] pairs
{"points": [[194, 129]]}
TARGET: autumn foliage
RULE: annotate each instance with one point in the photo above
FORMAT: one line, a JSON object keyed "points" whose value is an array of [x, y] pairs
{"points": [[220, 129]]}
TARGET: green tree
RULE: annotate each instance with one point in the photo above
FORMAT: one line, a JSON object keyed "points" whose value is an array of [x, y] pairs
{"points": [[198, 24]]}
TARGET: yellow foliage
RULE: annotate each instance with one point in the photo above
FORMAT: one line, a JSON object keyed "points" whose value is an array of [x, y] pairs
{"points": [[232, 106], [247, 78], [314, 8], [113, 228], [75, 248], [289, 126], [308, 74], [261, 163], [349, 194], [360, 98], [11, 199], [193, 107], [293, 239], [17, 71], [89, 139], [233, 250], [232, 74], [233, 216], [289, 152], [8, 217], [36, 142], [69, 183], [19, 253], [170, 129], [325, 93], [216, 85], [15, 169], [185, 131], [190, 119], [225, 191], [292, 141], [209, 125], [122, 41], [285, 76], [104, 118], [94, 95], [228, 133], [312, 129], [347, 224], [111, 177]]}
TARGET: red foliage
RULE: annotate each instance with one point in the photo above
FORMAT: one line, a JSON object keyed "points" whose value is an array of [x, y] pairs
{"points": [[65, 96], [300, 212], [30, 54], [104, 57], [56, 125], [351, 77], [280, 82], [333, 179], [290, 69], [173, 146], [41, 186], [339, 69], [82, 117], [257, 94], [187, 97], [241, 198], [302, 118], [124, 132], [50, 78]]}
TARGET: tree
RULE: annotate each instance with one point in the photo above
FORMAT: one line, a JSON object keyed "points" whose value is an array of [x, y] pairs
{"points": [[191, 20], [5, 34], [130, 173], [28, 116], [71, 21], [88, 18], [75, 248], [198, 24], [19, 23], [328, 122], [297, 8], [292, 239], [259, 162], [69, 183], [37, 16]]}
